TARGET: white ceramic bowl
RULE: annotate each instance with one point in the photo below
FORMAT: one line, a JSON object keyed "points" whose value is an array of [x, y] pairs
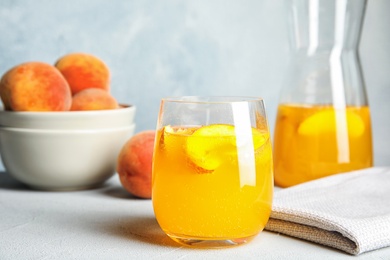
{"points": [[62, 159], [96, 119]]}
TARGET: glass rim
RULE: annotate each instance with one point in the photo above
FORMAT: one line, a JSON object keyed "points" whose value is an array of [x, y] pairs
{"points": [[211, 99]]}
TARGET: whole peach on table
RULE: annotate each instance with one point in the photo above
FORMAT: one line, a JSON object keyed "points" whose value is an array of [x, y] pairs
{"points": [[83, 71], [134, 165], [35, 86], [93, 99]]}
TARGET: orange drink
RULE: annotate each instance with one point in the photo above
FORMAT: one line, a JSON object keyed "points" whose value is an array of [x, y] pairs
{"points": [[316, 141], [212, 185]]}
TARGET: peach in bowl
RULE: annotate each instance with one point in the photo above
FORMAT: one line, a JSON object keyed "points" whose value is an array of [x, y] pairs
{"points": [[62, 159]]}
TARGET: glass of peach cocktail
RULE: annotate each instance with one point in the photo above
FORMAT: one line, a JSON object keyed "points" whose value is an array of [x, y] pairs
{"points": [[212, 170]]}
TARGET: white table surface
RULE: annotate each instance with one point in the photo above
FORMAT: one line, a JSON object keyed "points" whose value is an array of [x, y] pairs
{"points": [[108, 223]]}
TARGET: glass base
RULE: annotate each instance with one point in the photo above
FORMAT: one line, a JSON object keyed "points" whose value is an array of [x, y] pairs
{"points": [[210, 242]]}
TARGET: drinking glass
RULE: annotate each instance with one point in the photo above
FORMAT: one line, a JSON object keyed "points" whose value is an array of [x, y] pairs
{"points": [[212, 170]]}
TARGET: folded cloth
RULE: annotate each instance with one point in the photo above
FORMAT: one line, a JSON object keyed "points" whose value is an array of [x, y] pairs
{"points": [[348, 211]]}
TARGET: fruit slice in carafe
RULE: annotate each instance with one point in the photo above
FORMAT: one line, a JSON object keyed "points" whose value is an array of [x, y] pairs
{"points": [[327, 122]]}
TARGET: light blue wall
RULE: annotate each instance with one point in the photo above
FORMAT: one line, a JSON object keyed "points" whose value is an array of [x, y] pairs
{"points": [[169, 48]]}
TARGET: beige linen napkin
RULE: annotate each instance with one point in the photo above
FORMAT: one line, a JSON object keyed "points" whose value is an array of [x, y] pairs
{"points": [[348, 211]]}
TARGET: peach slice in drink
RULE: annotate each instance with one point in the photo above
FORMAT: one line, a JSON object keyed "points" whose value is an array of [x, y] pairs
{"points": [[210, 145]]}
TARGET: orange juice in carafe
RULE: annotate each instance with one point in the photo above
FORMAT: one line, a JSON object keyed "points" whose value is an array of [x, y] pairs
{"points": [[316, 141], [323, 122]]}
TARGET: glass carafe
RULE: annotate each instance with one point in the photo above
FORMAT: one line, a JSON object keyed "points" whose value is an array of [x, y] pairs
{"points": [[323, 122]]}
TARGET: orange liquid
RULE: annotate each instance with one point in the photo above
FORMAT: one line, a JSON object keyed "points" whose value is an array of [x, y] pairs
{"points": [[191, 202], [311, 142]]}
